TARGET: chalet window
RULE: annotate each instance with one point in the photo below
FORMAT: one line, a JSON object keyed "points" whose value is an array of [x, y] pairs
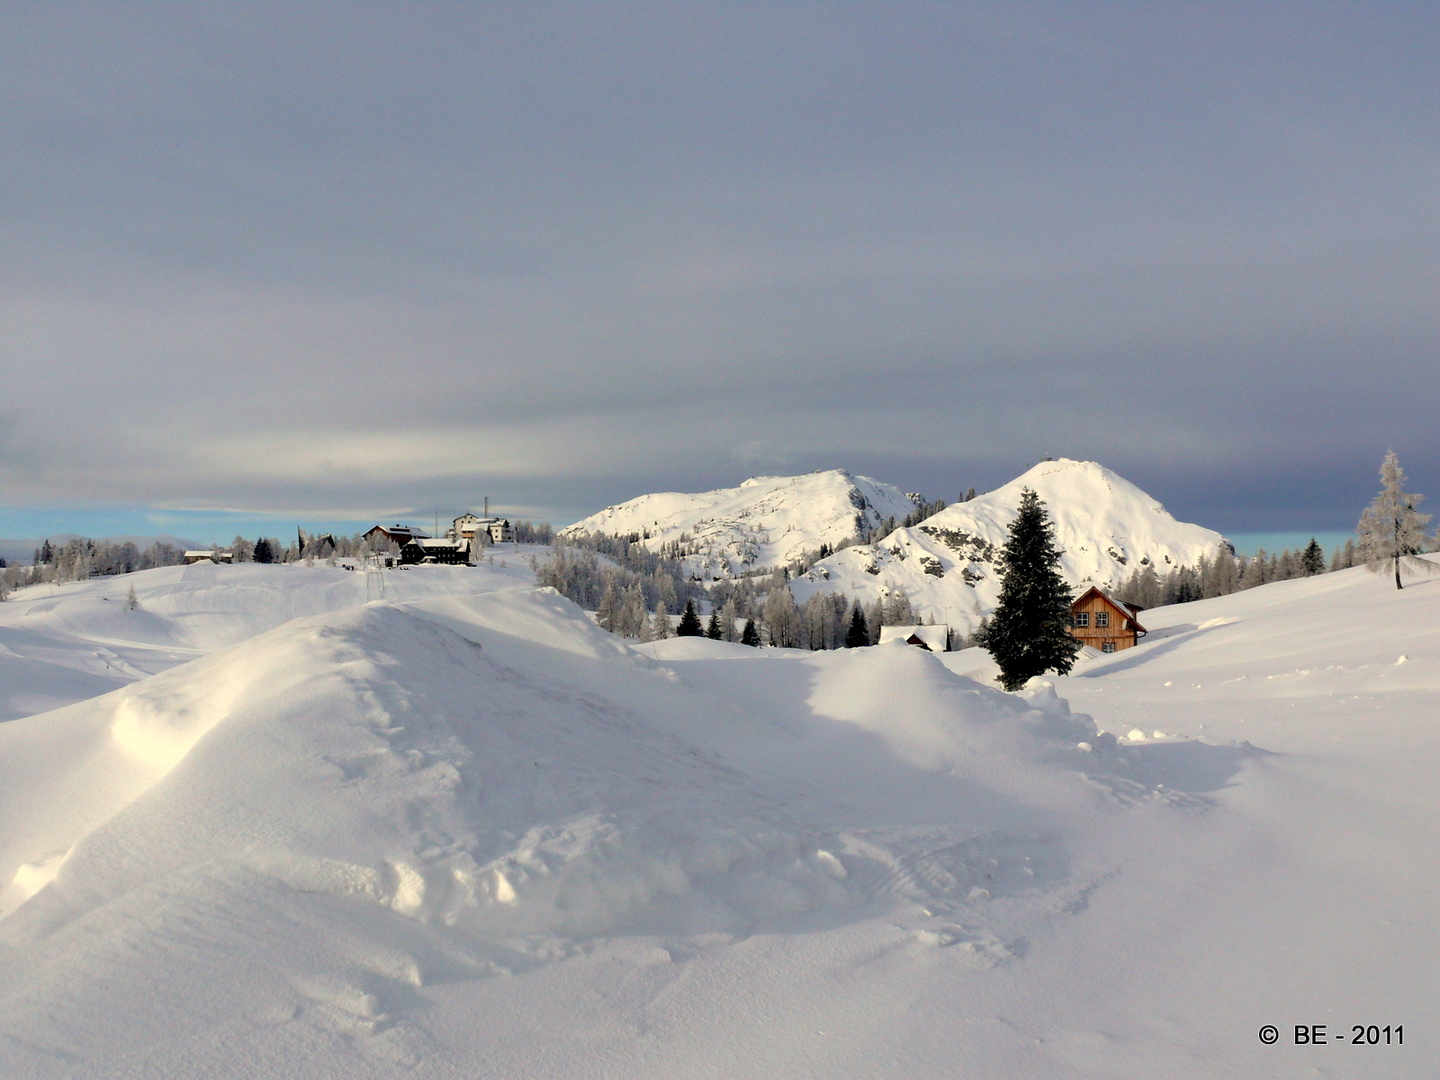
{"points": [[1102, 618], [1108, 646], [1082, 618]]}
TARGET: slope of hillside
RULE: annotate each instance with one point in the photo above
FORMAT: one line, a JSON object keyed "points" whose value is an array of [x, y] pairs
{"points": [[64, 643], [767, 521], [472, 835], [1105, 525]]}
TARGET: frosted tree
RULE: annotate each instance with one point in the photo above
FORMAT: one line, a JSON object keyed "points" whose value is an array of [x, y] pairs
{"points": [[131, 600], [1256, 571], [608, 612], [728, 615], [1391, 531], [660, 627], [633, 621], [782, 618], [898, 611]]}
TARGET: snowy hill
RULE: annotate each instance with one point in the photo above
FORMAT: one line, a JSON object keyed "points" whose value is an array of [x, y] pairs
{"points": [[1105, 525], [463, 832], [64, 643], [767, 521]]}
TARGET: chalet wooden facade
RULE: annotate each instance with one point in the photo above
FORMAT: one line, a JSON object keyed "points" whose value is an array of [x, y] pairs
{"points": [[426, 550], [1105, 624]]}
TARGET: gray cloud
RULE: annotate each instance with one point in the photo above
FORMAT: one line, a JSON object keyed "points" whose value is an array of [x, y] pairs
{"points": [[280, 256]]}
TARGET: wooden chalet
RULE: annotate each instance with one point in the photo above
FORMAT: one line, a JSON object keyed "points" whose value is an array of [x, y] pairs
{"points": [[1105, 624], [426, 550]]}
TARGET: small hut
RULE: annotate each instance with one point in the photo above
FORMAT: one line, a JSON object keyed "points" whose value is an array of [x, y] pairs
{"points": [[933, 638], [1105, 624]]}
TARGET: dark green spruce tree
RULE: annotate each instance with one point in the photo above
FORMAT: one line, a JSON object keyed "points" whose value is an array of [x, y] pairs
{"points": [[1029, 632], [750, 635], [858, 636], [712, 628], [689, 622], [1312, 559]]}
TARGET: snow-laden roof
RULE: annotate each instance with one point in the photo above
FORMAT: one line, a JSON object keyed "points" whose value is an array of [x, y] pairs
{"points": [[934, 636]]}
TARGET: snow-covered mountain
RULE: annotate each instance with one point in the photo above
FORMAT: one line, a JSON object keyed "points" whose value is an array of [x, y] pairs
{"points": [[767, 521], [947, 564]]}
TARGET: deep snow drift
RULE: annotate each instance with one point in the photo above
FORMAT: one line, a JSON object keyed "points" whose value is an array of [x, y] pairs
{"points": [[1105, 525], [767, 521], [466, 833]]}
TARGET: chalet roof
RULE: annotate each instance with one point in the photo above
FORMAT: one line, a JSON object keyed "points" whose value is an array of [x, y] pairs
{"points": [[934, 636], [1121, 608], [399, 530]]}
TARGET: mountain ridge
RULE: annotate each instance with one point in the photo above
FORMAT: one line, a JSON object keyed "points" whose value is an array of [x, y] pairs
{"points": [[947, 564], [762, 523]]}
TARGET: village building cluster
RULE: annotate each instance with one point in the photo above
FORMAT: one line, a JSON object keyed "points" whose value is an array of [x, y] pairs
{"points": [[461, 542]]}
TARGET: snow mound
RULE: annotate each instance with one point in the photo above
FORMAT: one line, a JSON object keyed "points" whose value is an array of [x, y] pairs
{"points": [[304, 843], [497, 767], [1105, 525], [65, 643], [767, 521]]}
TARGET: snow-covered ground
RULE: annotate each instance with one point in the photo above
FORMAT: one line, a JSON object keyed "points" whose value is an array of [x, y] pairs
{"points": [[768, 521], [1105, 526], [462, 832]]}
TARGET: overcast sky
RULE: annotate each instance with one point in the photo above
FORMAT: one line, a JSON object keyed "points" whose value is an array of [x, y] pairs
{"points": [[334, 263]]}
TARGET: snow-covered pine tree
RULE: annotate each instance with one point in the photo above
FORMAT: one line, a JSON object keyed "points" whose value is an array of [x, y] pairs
{"points": [[898, 609], [633, 620], [782, 618], [1029, 632], [1391, 532], [660, 627], [728, 615], [608, 611], [1256, 571]]}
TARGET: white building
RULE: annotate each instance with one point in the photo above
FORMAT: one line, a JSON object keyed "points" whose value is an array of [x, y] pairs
{"points": [[493, 530]]}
